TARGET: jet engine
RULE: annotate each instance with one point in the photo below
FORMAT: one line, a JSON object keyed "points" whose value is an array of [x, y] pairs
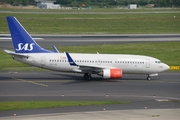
{"points": [[111, 73]]}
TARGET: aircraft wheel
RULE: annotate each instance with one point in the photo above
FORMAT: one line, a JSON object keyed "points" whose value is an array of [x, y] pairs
{"points": [[87, 76], [148, 78]]}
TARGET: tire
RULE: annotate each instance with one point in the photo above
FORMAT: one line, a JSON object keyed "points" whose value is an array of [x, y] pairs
{"points": [[148, 78]]}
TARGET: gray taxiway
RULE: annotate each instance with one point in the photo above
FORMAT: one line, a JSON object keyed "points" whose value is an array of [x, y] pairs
{"points": [[160, 92], [77, 40]]}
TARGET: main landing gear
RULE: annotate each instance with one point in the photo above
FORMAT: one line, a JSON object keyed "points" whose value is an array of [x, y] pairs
{"points": [[87, 76]]}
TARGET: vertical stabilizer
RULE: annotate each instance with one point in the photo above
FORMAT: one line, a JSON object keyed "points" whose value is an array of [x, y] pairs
{"points": [[22, 41]]}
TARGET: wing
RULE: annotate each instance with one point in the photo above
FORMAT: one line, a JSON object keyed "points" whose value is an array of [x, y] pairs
{"points": [[85, 68]]}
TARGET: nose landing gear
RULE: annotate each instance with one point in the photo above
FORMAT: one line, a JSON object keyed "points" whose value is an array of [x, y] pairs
{"points": [[150, 75], [148, 78]]}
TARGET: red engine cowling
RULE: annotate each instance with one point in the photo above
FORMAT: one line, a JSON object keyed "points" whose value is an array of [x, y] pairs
{"points": [[111, 73]]}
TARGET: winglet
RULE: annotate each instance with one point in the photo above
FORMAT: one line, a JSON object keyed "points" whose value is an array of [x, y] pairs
{"points": [[71, 61], [55, 49]]}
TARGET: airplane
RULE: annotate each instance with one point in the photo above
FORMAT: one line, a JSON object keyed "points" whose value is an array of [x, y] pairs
{"points": [[108, 66]]}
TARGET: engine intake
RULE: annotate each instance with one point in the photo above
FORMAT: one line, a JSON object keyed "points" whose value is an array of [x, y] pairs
{"points": [[111, 73]]}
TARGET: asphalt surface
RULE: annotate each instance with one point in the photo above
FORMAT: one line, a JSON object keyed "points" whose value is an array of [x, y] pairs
{"points": [[77, 40], [48, 85], [143, 114]]}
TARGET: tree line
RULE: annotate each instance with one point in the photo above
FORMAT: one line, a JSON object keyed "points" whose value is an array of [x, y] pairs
{"points": [[101, 3], [19, 2]]}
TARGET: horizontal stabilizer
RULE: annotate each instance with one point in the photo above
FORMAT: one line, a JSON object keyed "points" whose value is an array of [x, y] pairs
{"points": [[16, 54]]}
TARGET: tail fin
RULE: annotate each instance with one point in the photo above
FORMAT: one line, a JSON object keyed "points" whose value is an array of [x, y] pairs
{"points": [[22, 41]]}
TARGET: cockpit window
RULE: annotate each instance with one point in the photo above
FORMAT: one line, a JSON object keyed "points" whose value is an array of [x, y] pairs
{"points": [[158, 62]]}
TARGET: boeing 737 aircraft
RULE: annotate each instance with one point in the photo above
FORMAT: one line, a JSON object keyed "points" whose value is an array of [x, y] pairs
{"points": [[105, 65]]}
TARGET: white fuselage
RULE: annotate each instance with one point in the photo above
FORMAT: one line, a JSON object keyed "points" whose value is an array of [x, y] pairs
{"points": [[129, 64], [105, 65]]}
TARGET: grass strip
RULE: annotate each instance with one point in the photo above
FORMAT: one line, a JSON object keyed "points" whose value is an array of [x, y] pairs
{"points": [[27, 68], [152, 23], [52, 104]]}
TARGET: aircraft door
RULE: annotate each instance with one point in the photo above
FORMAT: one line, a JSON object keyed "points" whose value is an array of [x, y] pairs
{"points": [[43, 61], [147, 63]]}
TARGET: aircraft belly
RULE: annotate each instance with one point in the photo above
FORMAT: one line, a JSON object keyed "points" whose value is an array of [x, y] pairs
{"points": [[59, 67]]}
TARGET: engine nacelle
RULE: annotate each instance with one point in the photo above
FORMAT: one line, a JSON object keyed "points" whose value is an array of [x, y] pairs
{"points": [[111, 73]]}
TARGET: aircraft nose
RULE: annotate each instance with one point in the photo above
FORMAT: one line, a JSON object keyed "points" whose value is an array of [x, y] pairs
{"points": [[166, 67]]}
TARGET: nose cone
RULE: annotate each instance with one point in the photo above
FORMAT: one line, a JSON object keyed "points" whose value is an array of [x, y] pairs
{"points": [[166, 67]]}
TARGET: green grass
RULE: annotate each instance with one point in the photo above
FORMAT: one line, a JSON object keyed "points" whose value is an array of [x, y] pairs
{"points": [[167, 52], [52, 104], [26, 68], [6, 61], [151, 23]]}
